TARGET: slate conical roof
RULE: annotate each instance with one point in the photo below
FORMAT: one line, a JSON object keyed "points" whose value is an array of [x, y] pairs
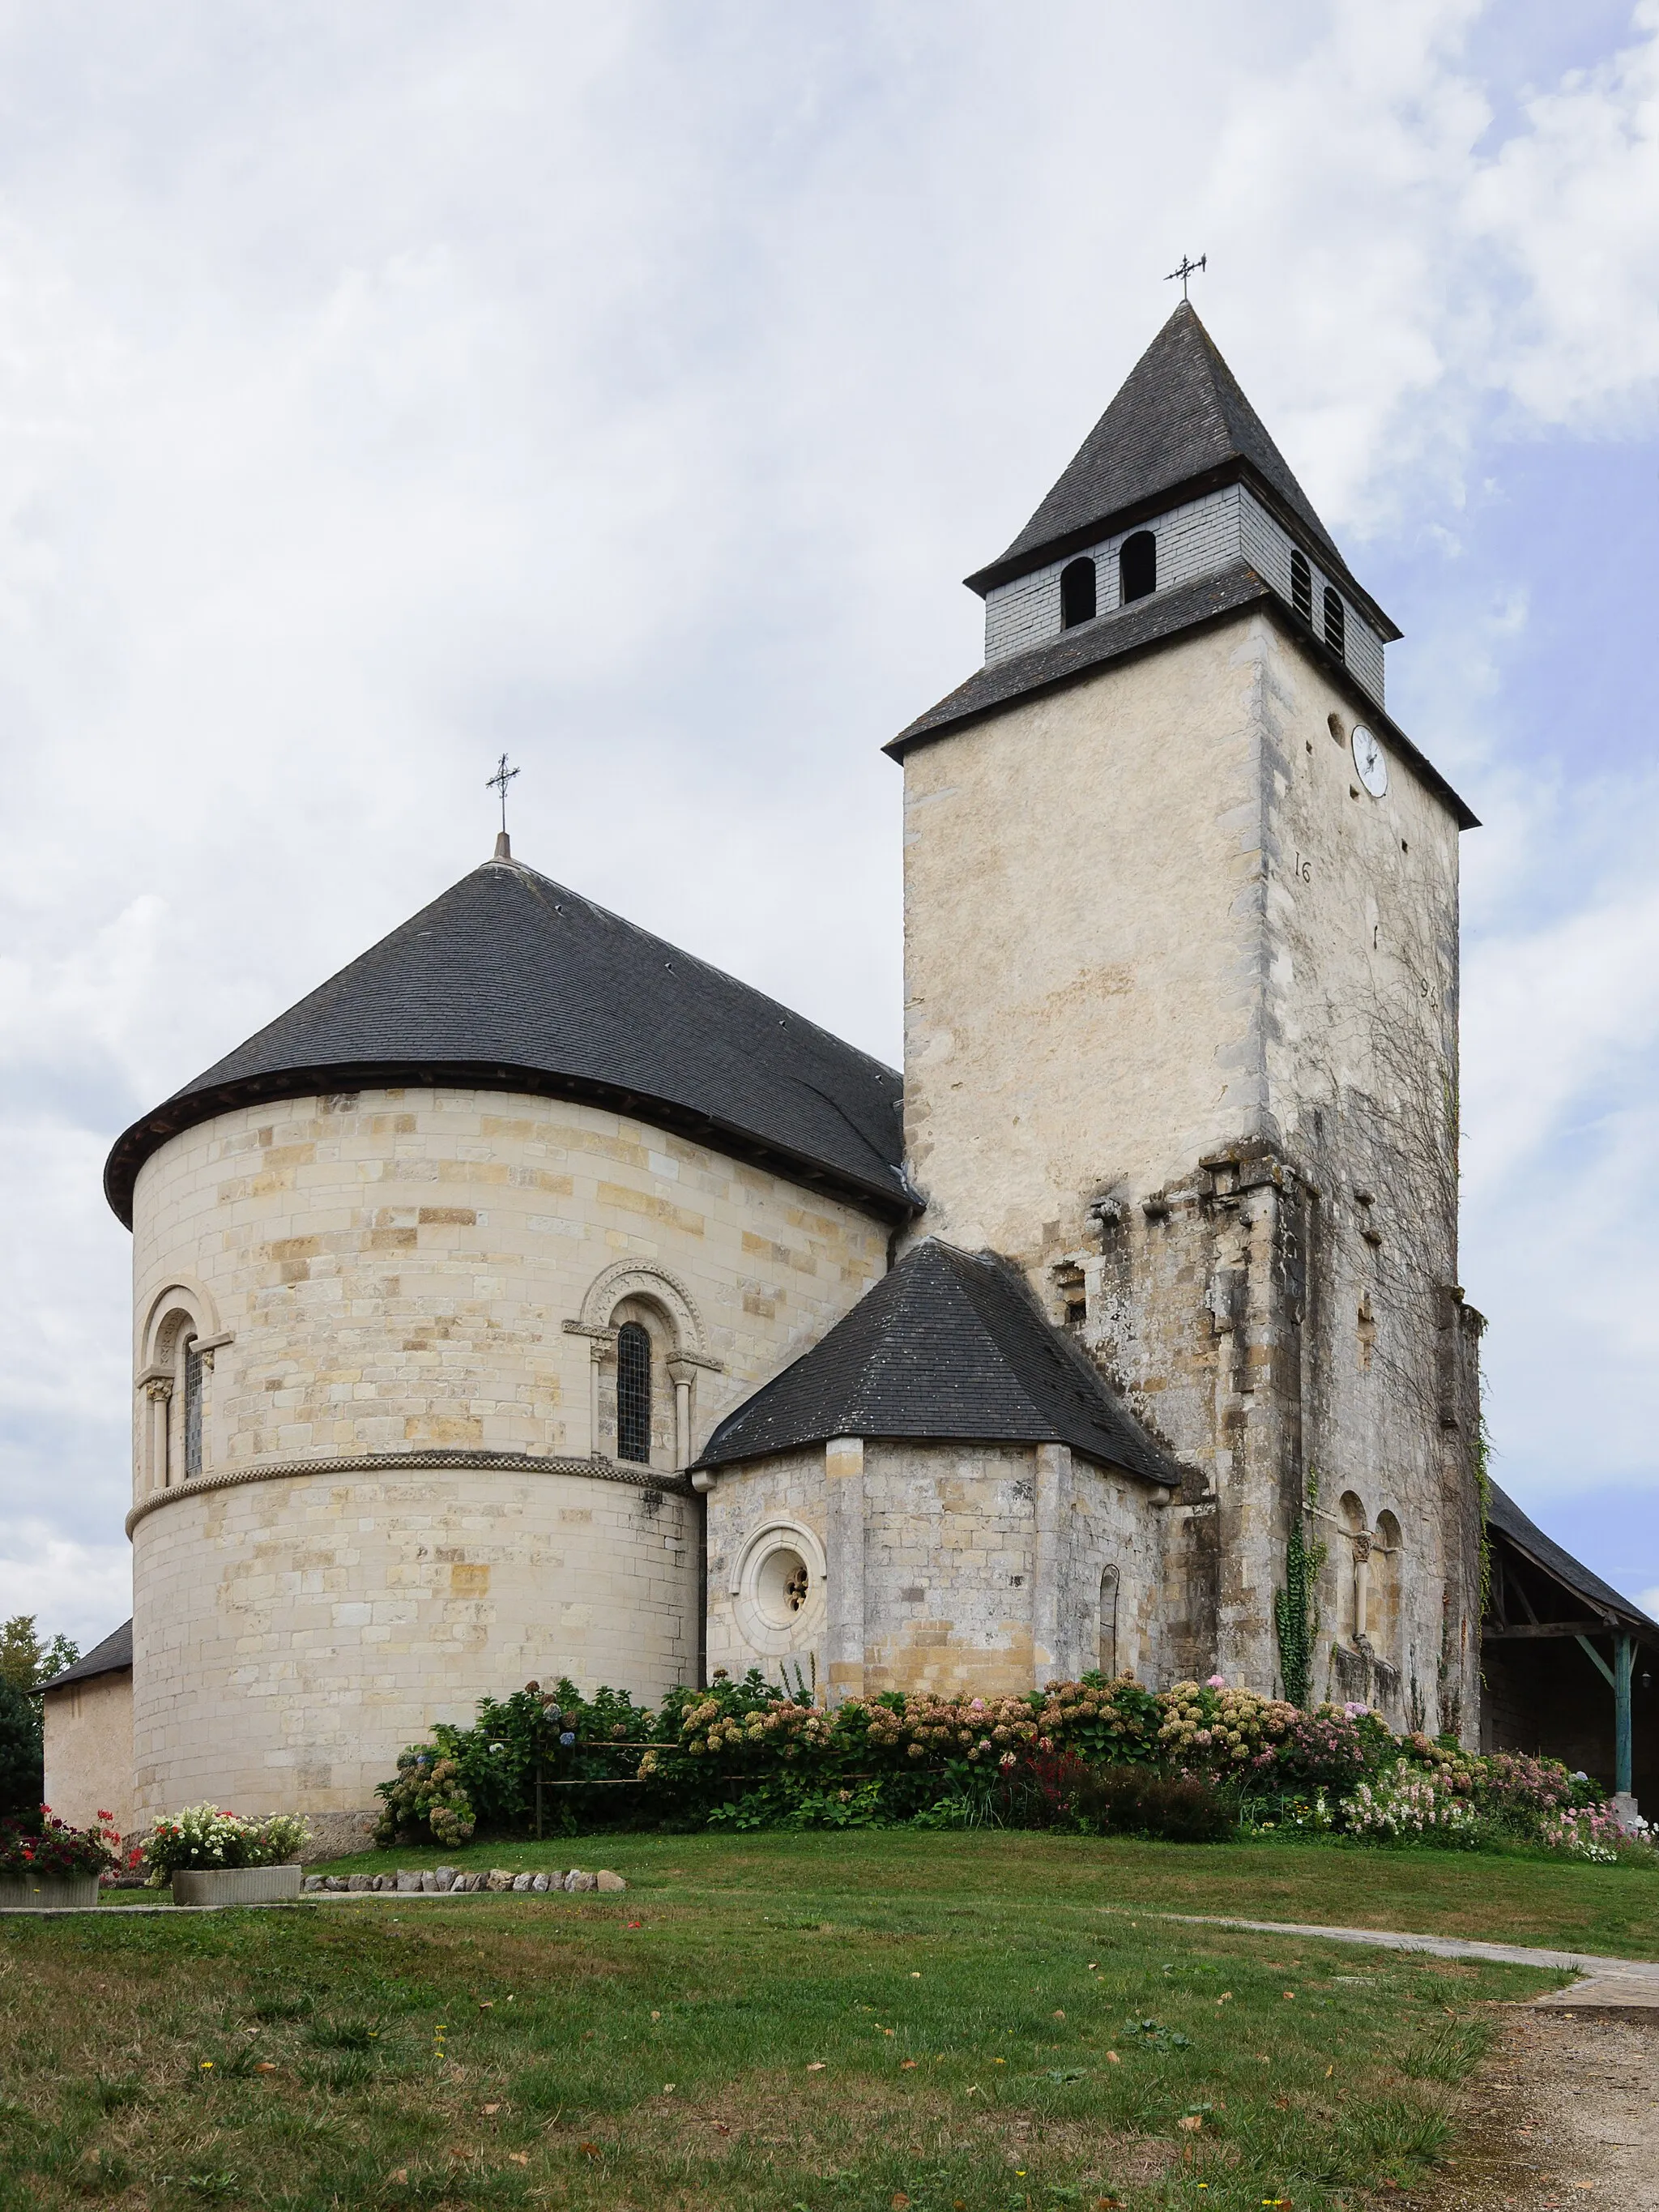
{"points": [[1180, 419], [946, 1344], [510, 982]]}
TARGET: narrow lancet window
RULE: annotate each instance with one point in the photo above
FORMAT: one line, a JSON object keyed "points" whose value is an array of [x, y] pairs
{"points": [[192, 1409], [1137, 567], [1335, 623], [634, 1392], [1076, 592], [1302, 585]]}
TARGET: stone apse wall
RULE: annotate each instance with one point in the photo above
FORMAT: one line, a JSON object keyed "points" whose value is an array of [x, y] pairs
{"points": [[866, 1565], [408, 1495]]}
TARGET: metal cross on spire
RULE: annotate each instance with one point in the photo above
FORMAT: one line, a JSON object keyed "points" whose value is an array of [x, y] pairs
{"points": [[499, 781], [1188, 268]]}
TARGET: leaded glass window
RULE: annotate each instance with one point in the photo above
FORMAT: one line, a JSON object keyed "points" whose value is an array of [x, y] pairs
{"points": [[634, 1392], [192, 1410]]}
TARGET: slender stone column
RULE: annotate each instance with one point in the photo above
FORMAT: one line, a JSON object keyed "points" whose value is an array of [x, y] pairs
{"points": [[160, 1394], [1052, 1609], [680, 1372], [844, 1487]]}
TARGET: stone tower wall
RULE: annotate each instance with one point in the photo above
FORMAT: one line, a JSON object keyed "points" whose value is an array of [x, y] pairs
{"points": [[408, 1494], [1181, 999]]}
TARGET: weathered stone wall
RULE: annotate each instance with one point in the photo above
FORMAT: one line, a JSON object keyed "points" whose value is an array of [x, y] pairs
{"points": [[395, 1269], [395, 1274], [88, 1732], [291, 1636], [1182, 1040], [948, 1567]]}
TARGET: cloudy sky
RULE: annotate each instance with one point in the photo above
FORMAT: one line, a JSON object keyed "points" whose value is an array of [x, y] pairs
{"points": [[383, 386]]}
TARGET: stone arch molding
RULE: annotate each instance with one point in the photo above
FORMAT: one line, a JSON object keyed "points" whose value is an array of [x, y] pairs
{"points": [[181, 1304], [760, 1630], [639, 1278]]}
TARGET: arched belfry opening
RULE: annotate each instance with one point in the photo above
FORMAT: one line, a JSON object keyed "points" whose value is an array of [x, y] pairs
{"points": [[1137, 567], [1336, 623], [1301, 585], [1078, 592]]}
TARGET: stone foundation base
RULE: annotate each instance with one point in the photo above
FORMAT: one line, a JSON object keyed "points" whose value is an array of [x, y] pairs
{"points": [[336, 1835]]}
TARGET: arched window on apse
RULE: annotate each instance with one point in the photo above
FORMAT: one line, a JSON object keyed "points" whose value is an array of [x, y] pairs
{"points": [[1107, 1661], [1336, 623], [1382, 1610], [191, 1376], [634, 1392], [1352, 1565], [1076, 592], [1137, 567], [1301, 585]]}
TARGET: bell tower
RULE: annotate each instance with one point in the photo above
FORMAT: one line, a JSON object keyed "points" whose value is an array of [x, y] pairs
{"points": [[1181, 982]]}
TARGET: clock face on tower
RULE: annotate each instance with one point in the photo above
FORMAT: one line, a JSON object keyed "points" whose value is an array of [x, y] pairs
{"points": [[1369, 761]]}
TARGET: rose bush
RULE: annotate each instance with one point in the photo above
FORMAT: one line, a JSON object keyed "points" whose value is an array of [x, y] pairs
{"points": [[40, 1845]]}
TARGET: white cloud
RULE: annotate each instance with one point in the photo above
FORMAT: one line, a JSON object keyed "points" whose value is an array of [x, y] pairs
{"points": [[627, 387], [79, 1590]]}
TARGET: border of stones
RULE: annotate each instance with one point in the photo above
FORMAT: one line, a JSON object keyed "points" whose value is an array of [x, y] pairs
{"points": [[596, 1469], [453, 1882]]}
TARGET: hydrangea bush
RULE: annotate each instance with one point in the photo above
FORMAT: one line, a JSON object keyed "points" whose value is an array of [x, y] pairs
{"points": [[203, 1836], [747, 1753]]}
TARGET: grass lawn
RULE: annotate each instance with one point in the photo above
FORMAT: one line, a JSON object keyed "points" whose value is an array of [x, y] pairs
{"points": [[976, 2023], [1550, 1902]]}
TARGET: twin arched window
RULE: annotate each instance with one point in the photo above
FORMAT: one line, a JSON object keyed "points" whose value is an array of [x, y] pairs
{"points": [[634, 1392], [1137, 567]]}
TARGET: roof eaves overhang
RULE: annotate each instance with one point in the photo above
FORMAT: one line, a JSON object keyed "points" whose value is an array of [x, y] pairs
{"points": [[1011, 566], [1169, 1479], [891, 1200], [924, 732], [1614, 1616]]}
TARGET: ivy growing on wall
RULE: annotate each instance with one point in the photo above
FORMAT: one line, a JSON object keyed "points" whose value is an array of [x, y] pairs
{"points": [[1295, 1608]]}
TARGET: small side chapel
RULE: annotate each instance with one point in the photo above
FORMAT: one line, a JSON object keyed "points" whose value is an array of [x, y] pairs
{"points": [[532, 1298]]}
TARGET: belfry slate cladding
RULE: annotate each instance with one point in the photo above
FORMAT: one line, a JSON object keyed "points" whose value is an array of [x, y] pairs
{"points": [[946, 1344], [511, 981], [1179, 418]]}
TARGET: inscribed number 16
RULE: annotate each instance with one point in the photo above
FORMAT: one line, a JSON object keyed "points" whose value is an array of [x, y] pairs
{"points": [[1304, 869]]}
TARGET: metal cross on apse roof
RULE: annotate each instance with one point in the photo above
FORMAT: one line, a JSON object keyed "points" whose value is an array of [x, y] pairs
{"points": [[1187, 268], [499, 781]]}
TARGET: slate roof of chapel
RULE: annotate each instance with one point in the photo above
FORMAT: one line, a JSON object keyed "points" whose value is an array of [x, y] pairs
{"points": [[113, 1656], [1503, 1515], [946, 1344], [509, 980], [1179, 419]]}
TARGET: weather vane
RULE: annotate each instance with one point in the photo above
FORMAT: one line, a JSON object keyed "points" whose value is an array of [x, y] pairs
{"points": [[1188, 268]]}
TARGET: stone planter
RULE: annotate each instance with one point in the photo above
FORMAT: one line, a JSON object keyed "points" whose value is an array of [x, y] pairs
{"points": [[46, 1892], [235, 1885]]}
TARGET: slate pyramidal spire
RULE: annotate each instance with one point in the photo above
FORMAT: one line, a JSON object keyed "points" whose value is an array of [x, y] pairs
{"points": [[1180, 425], [1179, 438]]}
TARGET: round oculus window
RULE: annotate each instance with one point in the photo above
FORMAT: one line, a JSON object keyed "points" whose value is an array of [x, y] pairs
{"points": [[1370, 764], [782, 1585]]}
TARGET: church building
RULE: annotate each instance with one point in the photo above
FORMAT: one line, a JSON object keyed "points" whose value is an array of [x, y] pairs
{"points": [[534, 1298]]}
